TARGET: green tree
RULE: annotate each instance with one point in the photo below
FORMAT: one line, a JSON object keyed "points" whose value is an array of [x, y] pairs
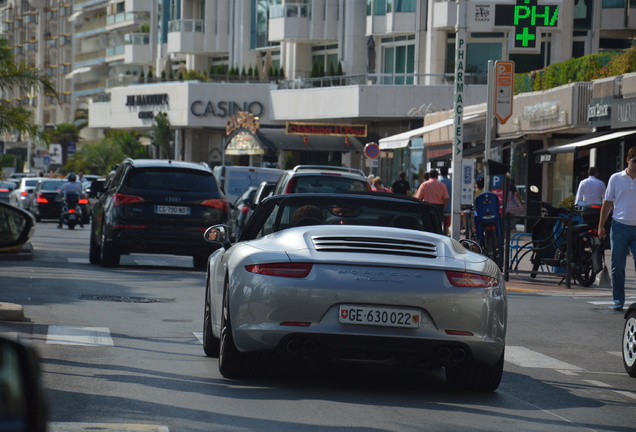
{"points": [[96, 158], [19, 77]]}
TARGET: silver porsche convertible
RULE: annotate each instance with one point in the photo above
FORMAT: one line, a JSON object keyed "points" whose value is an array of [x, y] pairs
{"points": [[356, 277]]}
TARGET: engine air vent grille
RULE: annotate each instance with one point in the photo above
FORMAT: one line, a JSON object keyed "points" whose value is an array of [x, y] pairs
{"points": [[376, 245]]}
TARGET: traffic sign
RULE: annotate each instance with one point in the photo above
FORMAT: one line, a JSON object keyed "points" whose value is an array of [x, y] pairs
{"points": [[504, 85], [372, 150]]}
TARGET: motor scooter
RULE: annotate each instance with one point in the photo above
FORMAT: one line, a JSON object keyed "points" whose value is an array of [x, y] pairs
{"points": [[71, 211], [550, 246]]}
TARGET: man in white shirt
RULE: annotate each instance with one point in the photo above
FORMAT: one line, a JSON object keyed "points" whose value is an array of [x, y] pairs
{"points": [[591, 190], [621, 196]]}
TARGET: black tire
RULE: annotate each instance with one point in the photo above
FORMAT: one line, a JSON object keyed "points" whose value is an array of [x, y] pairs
{"points": [[110, 255], [200, 262], [474, 376], [234, 364], [629, 343], [71, 224], [94, 251], [584, 271], [490, 245], [211, 344]]}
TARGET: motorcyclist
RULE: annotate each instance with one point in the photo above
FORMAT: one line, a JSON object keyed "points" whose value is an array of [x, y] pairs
{"points": [[73, 186]]}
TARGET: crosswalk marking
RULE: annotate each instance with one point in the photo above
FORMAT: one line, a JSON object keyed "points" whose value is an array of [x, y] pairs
{"points": [[531, 359], [87, 336], [109, 427]]}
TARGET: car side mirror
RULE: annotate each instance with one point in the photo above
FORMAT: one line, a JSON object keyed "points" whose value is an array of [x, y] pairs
{"points": [[218, 234], [24, 407]]}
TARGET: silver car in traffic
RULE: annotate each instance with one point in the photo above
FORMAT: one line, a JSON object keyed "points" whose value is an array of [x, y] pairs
{"points": [[354, 277]]}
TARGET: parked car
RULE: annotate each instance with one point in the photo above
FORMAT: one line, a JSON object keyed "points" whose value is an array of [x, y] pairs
{"points": [[6, 187], [47, 202], [25, 406], [22, 195], [361, 278], [157, 207], [629, 341], [234, 180], [239, 210], [321, 179]]}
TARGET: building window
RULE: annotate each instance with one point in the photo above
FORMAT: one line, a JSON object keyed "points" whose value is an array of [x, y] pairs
{"points": [[616, 4], [398, 64], [376, 7]]}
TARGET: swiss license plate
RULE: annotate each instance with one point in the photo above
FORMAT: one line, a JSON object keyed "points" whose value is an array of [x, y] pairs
{"points": [[380, 316], [172, 210]]}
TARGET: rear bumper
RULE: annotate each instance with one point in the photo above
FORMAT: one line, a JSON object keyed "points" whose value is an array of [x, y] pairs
{"points": [[161, 241]]}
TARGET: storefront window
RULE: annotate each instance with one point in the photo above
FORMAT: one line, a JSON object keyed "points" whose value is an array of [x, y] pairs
{"points": [[562, 177]]}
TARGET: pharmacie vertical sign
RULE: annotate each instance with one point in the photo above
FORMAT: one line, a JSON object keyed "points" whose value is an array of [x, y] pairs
{"points": [[458, 113]]}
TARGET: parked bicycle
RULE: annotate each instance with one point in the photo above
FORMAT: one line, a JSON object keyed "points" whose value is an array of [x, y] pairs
{"points": [[550, 244]]}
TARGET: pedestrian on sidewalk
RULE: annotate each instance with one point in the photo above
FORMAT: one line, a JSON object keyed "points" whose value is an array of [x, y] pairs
{"points": [[620, 196], [591, 190], [434, 192]]}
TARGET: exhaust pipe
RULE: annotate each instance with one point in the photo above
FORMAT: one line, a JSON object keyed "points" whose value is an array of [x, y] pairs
{"points": [[293, 346], [459, 355], [310, 346], [443, 354]]}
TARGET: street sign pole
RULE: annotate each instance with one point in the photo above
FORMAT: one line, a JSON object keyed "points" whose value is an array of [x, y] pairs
{"points": [[458, 118], [489, 124]]}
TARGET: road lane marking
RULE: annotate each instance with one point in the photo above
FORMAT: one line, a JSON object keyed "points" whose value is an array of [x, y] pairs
{"points": [[527, 358], [78, 260], [199, 336], [104, 427], [597, 383], [87, 336], [151, 262]]}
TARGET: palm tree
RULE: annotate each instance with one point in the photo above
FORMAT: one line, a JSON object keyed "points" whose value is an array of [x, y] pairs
{"points": [[19, 77]]}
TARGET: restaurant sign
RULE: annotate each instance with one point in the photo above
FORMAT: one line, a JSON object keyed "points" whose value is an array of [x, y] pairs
{"points": [[326, 129], [624, 113]]}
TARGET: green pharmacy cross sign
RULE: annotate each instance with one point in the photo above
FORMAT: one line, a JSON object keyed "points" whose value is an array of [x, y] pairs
{"points": [[525, 17]]}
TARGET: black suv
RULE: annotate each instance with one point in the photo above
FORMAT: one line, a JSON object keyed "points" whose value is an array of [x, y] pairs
{"points": [[156, 206]]}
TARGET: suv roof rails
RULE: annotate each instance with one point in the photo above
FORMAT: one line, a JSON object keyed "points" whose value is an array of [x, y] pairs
{"points": [[329, 167]]}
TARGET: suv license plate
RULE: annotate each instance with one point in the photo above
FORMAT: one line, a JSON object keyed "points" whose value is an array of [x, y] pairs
{"points": [[380, 316], [172, 210]]}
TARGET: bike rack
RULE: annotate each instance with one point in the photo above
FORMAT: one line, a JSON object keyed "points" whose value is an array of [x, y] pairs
{"points": [[521, 250]]}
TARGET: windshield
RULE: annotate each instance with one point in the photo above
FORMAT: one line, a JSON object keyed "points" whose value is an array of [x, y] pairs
{"points": [[346, 209]]}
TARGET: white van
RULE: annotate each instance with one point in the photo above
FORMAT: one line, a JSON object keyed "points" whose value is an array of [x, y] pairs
{"points": [[234, 180]]}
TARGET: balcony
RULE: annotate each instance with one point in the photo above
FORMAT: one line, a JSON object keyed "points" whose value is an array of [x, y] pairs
{"points": [[114, 53], [186, 36], [122, 20], [289, 22], [137, 48]]}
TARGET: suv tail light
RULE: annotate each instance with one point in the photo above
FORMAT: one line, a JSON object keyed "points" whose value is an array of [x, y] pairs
{"points": [[291, 186], [41, 199], [24, 193], [121, 199], [220, 204]]}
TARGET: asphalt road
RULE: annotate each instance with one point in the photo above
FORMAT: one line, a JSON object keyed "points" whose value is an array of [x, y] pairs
{"points": [[120, 350]]}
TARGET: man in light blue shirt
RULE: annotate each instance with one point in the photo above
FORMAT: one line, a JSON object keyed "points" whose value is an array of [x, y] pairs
{"points": [[591, 190]]}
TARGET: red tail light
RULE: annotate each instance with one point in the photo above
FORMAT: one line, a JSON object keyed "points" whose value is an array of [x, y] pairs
{"points": [[290, 186], [71, 210], [83, 201], [596, 206], [121, 199], [470, 280], [245, 209], [293, 270], [24, 193], [216, 203], [41, 199], [4, 190]]}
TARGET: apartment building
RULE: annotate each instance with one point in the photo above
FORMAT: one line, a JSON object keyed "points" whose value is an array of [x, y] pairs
{"points": [[388, 64]]}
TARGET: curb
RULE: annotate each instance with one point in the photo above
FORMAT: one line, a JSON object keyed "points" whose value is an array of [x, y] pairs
{"points": [[26, 253], [11, 312]]}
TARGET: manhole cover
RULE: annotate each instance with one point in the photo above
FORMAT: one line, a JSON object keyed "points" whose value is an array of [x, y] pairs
{"points": [[123, 299]]}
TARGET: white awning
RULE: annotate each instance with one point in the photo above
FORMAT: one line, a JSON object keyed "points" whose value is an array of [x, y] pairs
{"points": [[402, 140], [587, 143]]}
